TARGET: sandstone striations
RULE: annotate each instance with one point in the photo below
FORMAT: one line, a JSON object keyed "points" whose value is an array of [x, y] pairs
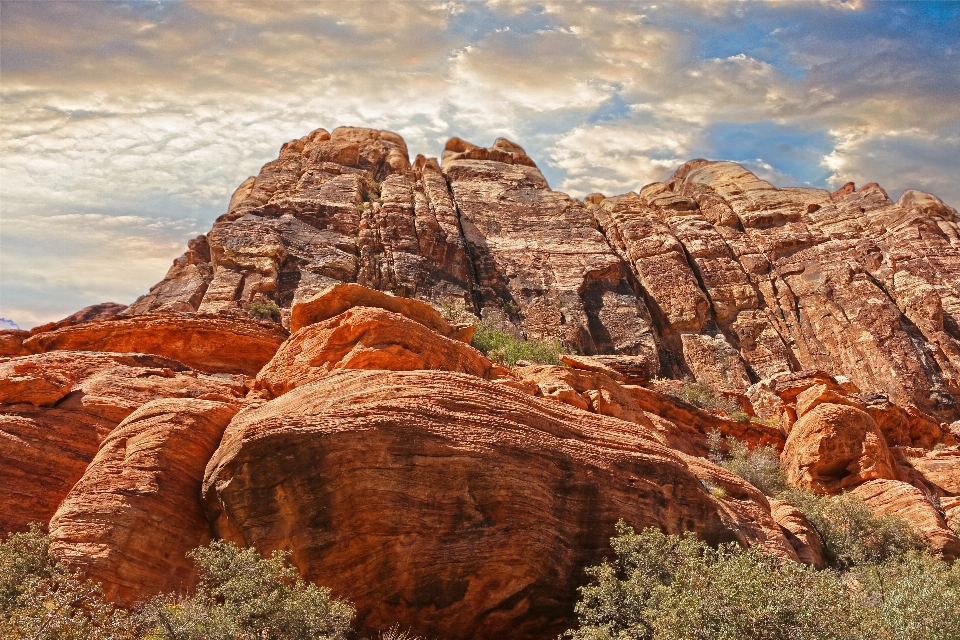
{"points": [[434, 497], [303, 379]]}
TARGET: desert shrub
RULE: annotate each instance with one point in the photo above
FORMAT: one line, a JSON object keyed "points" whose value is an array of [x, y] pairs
{"points": [[759, 466], [41, 599], [851, 533], [740, 416], [242, 596], [663, 587], [503, 347], [265, 310], [704, 396], [915, 596]]}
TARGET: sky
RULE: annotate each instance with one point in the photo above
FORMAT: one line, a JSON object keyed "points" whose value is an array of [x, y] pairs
{"points": [[125, 126]]}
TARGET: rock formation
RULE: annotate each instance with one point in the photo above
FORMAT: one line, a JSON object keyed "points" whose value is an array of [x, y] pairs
{"points": [[303, 379]]}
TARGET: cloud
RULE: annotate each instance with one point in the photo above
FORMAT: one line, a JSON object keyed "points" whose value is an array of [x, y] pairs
{"points": [[125, 126]]}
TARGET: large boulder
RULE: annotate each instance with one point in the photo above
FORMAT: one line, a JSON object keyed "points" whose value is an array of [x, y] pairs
{"points": [[58, 407], [209, 343], [366, 338], [132, 517], [431, 499], [835, 447]]}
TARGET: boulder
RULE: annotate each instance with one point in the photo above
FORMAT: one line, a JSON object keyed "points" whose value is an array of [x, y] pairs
{"points": [[209, 343], [70, 402], [147, 476], [341, 297], [801, 534], [430, 498], [922, 513], [365, 338], [835, 447], [11, 343]]}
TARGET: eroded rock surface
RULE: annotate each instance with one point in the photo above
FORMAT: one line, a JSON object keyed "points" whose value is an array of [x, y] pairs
{"points": [[56, 408], [432, 498], [210, 343], [130, 520]]}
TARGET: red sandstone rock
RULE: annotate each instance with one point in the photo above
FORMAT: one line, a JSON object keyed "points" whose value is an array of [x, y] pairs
{"points": [[214, 344], [339, 298], [11, 343], [365, 338], [431, 498], [835, 447], [799, 532], [908, 502], [132, 517], [93, 313], [941, 469], [80, 397]]}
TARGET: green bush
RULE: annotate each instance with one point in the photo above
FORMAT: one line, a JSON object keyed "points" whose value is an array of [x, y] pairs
{"points": [[851, 533], [265, 310], [760, 466], [504, 348], [42, 600], [913, 597], [669, 588], [664, 587], [704, 396], [243, 596]]}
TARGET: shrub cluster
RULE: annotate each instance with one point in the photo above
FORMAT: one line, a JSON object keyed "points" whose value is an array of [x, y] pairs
{"points": [[663, 587], [503, 347], [704, 396], [241, 597], [265, 310], [759, 466]]}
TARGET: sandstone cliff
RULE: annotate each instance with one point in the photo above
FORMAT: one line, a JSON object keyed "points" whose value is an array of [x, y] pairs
{"points": [[460, 497]]}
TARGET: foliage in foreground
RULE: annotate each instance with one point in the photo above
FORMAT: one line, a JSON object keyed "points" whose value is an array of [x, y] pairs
{"points": [[503, 347], [241, 597], [41, 599], [664, 587], [851, 533]]}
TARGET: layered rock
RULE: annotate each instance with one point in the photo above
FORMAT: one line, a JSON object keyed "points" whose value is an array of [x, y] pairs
{"points": [[713, 273], [431, 498], [130, 520], [56, 408], [209, 343]]}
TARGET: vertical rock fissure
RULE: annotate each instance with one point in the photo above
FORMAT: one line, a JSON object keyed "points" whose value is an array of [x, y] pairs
{"points": [[472, 267]]}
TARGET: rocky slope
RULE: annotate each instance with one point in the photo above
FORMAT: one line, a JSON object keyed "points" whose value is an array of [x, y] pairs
{"points": [[428, 484]]}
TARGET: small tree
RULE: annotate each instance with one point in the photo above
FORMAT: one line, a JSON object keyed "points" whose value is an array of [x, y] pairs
{"points": [[242, 596], [265, 310]]}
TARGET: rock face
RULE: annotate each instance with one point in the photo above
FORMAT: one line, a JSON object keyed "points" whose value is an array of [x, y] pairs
{"points": [[56, 408], [214, 344], [713, 273], [442, 491], [146, 477], [366, 338], [432, 498]]}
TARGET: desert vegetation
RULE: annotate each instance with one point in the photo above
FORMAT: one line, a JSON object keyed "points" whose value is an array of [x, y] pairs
{"points": [[503, 347], [664, 587], [241, 596]]}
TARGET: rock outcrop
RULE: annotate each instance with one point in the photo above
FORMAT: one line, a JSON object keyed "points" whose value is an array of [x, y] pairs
{"points": [[130, 520], [431, 498], [295, 381], [56, 408], [209, 343]]}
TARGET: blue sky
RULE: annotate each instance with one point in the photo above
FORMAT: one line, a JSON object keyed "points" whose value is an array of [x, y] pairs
{"points": [[125, 126]]}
